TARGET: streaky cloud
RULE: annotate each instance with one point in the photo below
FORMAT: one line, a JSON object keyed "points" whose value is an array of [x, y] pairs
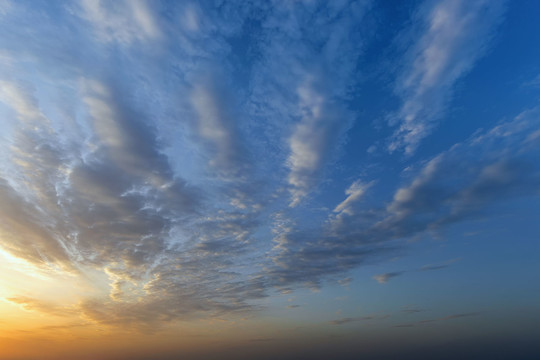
{"points": [[348, 320], [312, 141], [31, 304], [122, 21], [202, 159], [445, 318], [300, 85], [383, 278], [455, 35], [431, 267], [456, 185]]}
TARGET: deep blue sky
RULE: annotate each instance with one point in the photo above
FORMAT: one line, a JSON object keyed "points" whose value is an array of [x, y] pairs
{"points": [[361, 172]]}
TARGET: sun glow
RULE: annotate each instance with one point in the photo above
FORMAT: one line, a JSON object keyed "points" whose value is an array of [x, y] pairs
{"points": [[269, 179]]}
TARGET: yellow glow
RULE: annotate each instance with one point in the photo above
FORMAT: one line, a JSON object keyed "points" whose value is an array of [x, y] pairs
{"points": [[21, 266], [54, 328]]}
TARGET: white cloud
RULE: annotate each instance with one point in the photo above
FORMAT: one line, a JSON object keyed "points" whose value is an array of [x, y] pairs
{"points": [[172, 249], [535, 83], [5, 7], [356, 192], [308, 63], [456, 185], [313, 141], [122, 21], [456, 36], [191, 18], [21, 100], [215, 125]]}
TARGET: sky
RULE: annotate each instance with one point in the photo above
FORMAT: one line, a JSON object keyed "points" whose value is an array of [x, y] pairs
{"points": [[269, 179]]}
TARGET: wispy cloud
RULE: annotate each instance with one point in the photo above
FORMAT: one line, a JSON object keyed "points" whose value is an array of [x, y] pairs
{"points": [[348, 320], [535, 82], [454, 36], [116, 206], [383, 278], [445, 318], [410, 309], [178, 160], [302, 84], [355, 193], [313, 141], [5, 7], [455, 185], [121, 21], [439, 266], [31, 304]]}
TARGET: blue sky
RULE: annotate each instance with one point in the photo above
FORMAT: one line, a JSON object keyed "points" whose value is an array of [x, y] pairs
{"points": [[327, 170]]}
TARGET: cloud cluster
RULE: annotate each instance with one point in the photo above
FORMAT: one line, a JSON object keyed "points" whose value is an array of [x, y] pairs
{"points": [[115, 203], [307, 68], [180, 173], [460, 183]]}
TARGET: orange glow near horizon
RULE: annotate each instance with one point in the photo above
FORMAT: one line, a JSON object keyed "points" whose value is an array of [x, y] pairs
{"points": [[40, 318], [285, 179]]}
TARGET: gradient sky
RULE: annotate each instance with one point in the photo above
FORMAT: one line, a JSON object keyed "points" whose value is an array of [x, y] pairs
{"points": [[269, 179]]}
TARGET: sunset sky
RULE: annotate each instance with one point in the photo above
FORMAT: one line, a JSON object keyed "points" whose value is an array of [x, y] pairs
{"points": [[269, 179]]}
